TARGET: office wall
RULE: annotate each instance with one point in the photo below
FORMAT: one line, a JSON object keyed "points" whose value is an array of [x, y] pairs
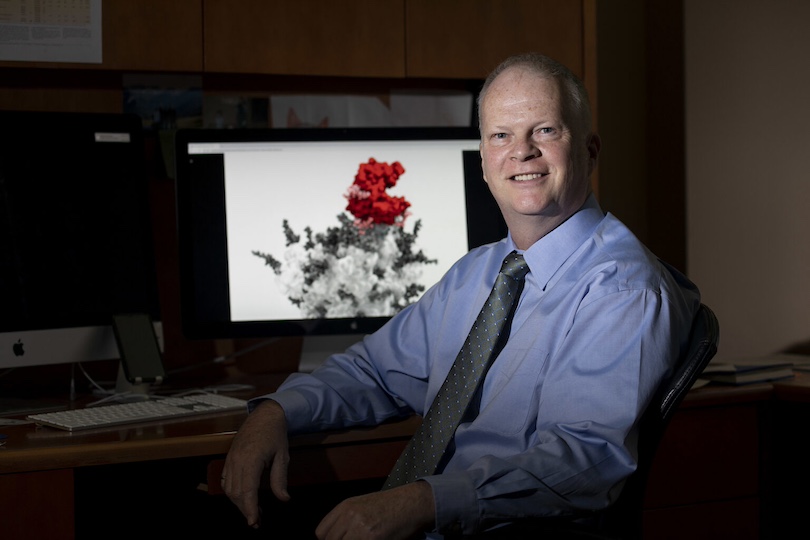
{"points": [[747, 89]]}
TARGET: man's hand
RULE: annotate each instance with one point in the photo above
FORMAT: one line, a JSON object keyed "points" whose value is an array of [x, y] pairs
{"points": [[394, 514], [260, 443]]}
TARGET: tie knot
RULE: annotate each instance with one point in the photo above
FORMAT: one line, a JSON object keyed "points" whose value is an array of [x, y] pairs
{"points": [[515, 266]]}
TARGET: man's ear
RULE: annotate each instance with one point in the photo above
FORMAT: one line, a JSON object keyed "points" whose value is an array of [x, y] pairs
{"points": [[593, 145]]}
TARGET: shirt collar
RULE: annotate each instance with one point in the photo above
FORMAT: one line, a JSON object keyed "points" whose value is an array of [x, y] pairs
{"points": [[548, 254]]}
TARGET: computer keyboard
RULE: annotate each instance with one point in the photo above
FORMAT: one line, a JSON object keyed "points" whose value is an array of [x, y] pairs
{"points": [[139, 411]]}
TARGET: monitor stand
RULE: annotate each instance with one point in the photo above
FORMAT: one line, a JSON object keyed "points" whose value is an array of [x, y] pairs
{"points": [[126, 391]]}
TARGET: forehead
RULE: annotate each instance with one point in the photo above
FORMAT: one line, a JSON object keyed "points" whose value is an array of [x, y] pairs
{"points": [[522, 92]]}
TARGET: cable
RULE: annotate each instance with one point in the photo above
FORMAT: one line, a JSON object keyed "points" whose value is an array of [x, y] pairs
{"points": [[92, 381]]}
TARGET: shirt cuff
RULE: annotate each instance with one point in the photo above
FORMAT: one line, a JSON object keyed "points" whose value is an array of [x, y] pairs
{"points": [[456, 502], [297, 412]]}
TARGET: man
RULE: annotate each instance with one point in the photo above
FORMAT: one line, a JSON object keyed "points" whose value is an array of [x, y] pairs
{"points": [[598, 324]]}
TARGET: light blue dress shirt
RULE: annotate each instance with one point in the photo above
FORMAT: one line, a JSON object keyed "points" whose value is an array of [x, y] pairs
{"points": [[599, 322]]}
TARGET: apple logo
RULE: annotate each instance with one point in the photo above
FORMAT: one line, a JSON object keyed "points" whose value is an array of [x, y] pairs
{"points": [[18, 348]]}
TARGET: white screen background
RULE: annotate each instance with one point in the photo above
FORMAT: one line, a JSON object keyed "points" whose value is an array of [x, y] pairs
{"points": [[305, 184]]}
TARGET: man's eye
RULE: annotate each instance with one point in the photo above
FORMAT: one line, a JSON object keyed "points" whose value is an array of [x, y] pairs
{"points": [[546, 130], [499, 136]]}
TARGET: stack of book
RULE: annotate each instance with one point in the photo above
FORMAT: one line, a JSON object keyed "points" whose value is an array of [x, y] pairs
{"points": [[753, 370]]}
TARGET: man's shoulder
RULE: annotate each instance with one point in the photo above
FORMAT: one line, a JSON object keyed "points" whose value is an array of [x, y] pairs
{"points": [[633, 264], [617, 240]]}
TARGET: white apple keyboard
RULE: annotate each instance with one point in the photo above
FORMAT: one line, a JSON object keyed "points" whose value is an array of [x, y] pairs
{"points": [[160, 408]]}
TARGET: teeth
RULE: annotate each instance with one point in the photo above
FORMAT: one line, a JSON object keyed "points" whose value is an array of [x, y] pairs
{"points": [[524, 177]]}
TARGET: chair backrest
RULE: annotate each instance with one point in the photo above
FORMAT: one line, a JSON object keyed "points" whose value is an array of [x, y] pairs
{"points": [[623, 518]]}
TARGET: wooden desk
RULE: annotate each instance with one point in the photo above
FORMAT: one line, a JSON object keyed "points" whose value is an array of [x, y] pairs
{"points": [[731, 464], [715, 475], [708, 479], [789, 477], [795, 390], [41, 467]]}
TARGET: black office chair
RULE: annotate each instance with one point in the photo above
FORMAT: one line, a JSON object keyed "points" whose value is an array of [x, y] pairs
{"points": [[623, 519]]}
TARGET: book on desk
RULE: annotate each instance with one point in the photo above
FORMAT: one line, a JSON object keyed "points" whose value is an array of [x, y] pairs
{"points": [[755, 369]]}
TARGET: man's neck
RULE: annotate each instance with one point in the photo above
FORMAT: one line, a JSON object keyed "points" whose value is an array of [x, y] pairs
{"points": [[526, 230], [525, 236]]}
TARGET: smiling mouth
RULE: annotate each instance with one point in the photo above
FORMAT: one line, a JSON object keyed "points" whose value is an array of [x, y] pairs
{"points": [[527, 177]]}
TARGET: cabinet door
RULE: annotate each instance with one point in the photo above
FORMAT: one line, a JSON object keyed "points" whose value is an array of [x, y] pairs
{"points": [[153, 35], [349, 38], [467, 38]]}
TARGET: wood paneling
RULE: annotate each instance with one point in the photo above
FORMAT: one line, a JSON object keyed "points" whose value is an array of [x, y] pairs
{"points": [[467, 38], [40, 503], [351, 38], [152, 35]]}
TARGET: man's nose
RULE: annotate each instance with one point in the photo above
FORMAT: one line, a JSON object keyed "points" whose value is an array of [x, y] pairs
{"points": [[525, 149]]}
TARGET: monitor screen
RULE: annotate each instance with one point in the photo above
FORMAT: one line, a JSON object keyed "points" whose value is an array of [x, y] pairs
{"points": [[322, 231], [76, 235]]}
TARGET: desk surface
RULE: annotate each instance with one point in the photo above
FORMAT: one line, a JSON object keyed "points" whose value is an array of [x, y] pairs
{"points": [[37, 448], [716, 394], [795, 390], [32, 448]]}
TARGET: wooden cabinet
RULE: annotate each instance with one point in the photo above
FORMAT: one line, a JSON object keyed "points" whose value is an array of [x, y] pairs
{"points": [[789, 449], [351, 38], [418, 39], [707, 478], [148, 35], [445, 39], [37, 504], [467, 38], [152, 35]]}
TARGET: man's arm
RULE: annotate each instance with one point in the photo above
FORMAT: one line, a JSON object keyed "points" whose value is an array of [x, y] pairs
{"points": [[260, 443]]}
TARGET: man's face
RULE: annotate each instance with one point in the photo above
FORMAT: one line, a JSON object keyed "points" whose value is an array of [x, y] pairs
{"points": [[535, 158]]}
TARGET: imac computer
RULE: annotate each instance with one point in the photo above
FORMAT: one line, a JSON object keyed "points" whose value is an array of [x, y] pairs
{"points": [[322, 232], [76, 236]]}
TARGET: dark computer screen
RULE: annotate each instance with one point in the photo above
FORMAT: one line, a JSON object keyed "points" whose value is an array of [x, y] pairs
{"points": [[75, 232]]}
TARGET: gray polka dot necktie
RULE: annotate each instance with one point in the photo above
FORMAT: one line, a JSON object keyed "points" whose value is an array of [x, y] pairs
{"points": [[485, 340]]}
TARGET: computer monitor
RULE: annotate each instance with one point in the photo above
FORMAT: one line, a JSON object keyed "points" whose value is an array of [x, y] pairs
{"points": [[76, 235], [290, 232]]}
